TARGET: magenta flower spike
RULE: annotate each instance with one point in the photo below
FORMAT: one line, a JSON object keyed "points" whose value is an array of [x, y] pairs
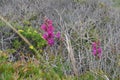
{"points": [[50, 29], [44, 27], [45, 36], [49, 21], [94, 52], [96, 49], [51, 41], [49, 35]]}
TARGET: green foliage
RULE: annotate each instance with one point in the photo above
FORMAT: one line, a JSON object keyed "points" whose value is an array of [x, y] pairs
{"points": [[33, 36], [16, 44]]}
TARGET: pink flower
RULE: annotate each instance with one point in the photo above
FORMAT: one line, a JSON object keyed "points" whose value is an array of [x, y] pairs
{"points": [[50, 34], [45, 36], [96, 49], [94, 52], [47, 26], [50, 28], [49, 37], [48, 21], [58, 35], [51, 41], [49, 31], [44, 27]]}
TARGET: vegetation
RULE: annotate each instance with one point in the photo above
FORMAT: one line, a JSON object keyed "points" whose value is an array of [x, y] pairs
{"points": [[76, 41]]}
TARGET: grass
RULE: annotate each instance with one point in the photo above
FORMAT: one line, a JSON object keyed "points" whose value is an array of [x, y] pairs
{"points": [[33, 70]]}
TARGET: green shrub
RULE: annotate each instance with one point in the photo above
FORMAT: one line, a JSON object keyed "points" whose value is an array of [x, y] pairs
{"points": [[33, 36]]}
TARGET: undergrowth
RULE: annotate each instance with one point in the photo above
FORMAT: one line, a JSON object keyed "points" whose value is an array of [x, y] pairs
{"points": [[86, 46]]}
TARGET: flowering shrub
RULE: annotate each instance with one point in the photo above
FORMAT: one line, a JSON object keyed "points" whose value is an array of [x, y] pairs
{"points": [[96, 49], [48, 29]]}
